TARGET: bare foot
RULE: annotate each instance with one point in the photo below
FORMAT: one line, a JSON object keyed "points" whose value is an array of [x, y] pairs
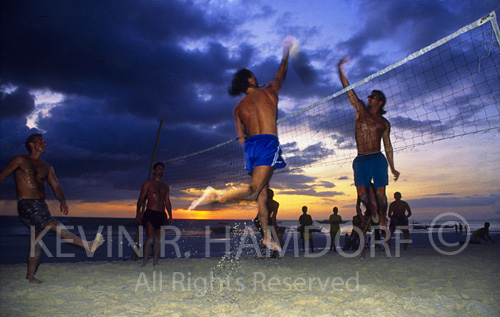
{"points": [[144, 264], [98, 241], [34, 280]]}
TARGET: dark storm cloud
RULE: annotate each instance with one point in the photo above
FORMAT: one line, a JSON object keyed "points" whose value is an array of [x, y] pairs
{"points": [[126, 54], [405, 123], [389, 21], [19, 103], [123, 66], [302, 67], [299, 184], [297, 158]]}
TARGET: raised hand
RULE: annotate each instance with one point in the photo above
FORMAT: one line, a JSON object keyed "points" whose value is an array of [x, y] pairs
{"points": [[344, 61]]}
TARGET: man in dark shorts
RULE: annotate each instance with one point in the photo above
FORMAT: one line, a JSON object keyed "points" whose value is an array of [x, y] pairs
{"points": [[157, 192], [399, 212], [306, 223], [371, 128], [255, 118], [335, 221], [30, 174]]}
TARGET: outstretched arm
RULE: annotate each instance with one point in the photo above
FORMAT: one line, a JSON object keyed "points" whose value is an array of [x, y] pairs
{"points": [[353, 98], [58, 191], [278, 79], [388, 149]]}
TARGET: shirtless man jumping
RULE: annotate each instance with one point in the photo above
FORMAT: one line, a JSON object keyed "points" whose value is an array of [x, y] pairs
{"points": [[255, 117], [157, 192], [370, 128], [30, 174]]}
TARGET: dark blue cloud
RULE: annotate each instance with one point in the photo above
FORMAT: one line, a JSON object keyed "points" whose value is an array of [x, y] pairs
{"points": [[299, 184], [19, 103]]}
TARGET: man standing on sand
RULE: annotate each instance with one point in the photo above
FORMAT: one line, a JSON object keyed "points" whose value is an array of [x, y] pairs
{"points": [[335, 221], [157, 192], [306, 222], [30, 174], [370, 128], [399, 212], [255, 117]]}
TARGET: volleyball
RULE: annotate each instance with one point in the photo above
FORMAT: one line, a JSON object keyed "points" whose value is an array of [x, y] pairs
{"points": [[295, 47]]}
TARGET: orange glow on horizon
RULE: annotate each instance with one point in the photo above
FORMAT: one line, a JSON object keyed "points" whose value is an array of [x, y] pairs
{"points": [[111, 209], [427, 174]]}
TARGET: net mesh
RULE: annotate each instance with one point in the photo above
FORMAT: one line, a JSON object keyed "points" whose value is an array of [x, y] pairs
{"points": [[446, 90]]}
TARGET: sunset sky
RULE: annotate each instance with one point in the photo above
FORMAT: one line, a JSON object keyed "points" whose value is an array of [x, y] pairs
{"points": [[96, 77]]}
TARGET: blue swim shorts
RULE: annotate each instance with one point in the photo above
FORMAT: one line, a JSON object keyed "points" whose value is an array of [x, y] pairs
{"points": [[263, 149], [34, 212], [371, 166]]}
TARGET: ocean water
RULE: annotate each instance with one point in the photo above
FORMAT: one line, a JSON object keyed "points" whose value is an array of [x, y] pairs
{"points": [[187, 238]]}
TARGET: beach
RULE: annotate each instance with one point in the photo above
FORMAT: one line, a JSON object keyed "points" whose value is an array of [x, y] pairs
{"points": [[421, 281]]}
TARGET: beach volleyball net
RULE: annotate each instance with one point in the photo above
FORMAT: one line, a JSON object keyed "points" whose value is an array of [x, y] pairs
{"points": [[446, 90]]}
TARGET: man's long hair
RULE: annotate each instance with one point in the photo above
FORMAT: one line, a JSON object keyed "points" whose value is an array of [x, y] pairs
{"points": [[381, 97], [240, 82]]}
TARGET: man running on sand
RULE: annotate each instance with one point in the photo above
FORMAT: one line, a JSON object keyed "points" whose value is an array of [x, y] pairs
{"points": [[30, 174], [255, 117], [370, 128], [157, 192]]}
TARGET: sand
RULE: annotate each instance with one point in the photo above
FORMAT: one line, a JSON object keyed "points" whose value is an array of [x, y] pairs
{"points": [[419, 282]]}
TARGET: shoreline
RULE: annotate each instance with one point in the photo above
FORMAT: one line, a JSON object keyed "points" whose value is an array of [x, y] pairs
{"points": [[118, 248], [420, 281]]}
